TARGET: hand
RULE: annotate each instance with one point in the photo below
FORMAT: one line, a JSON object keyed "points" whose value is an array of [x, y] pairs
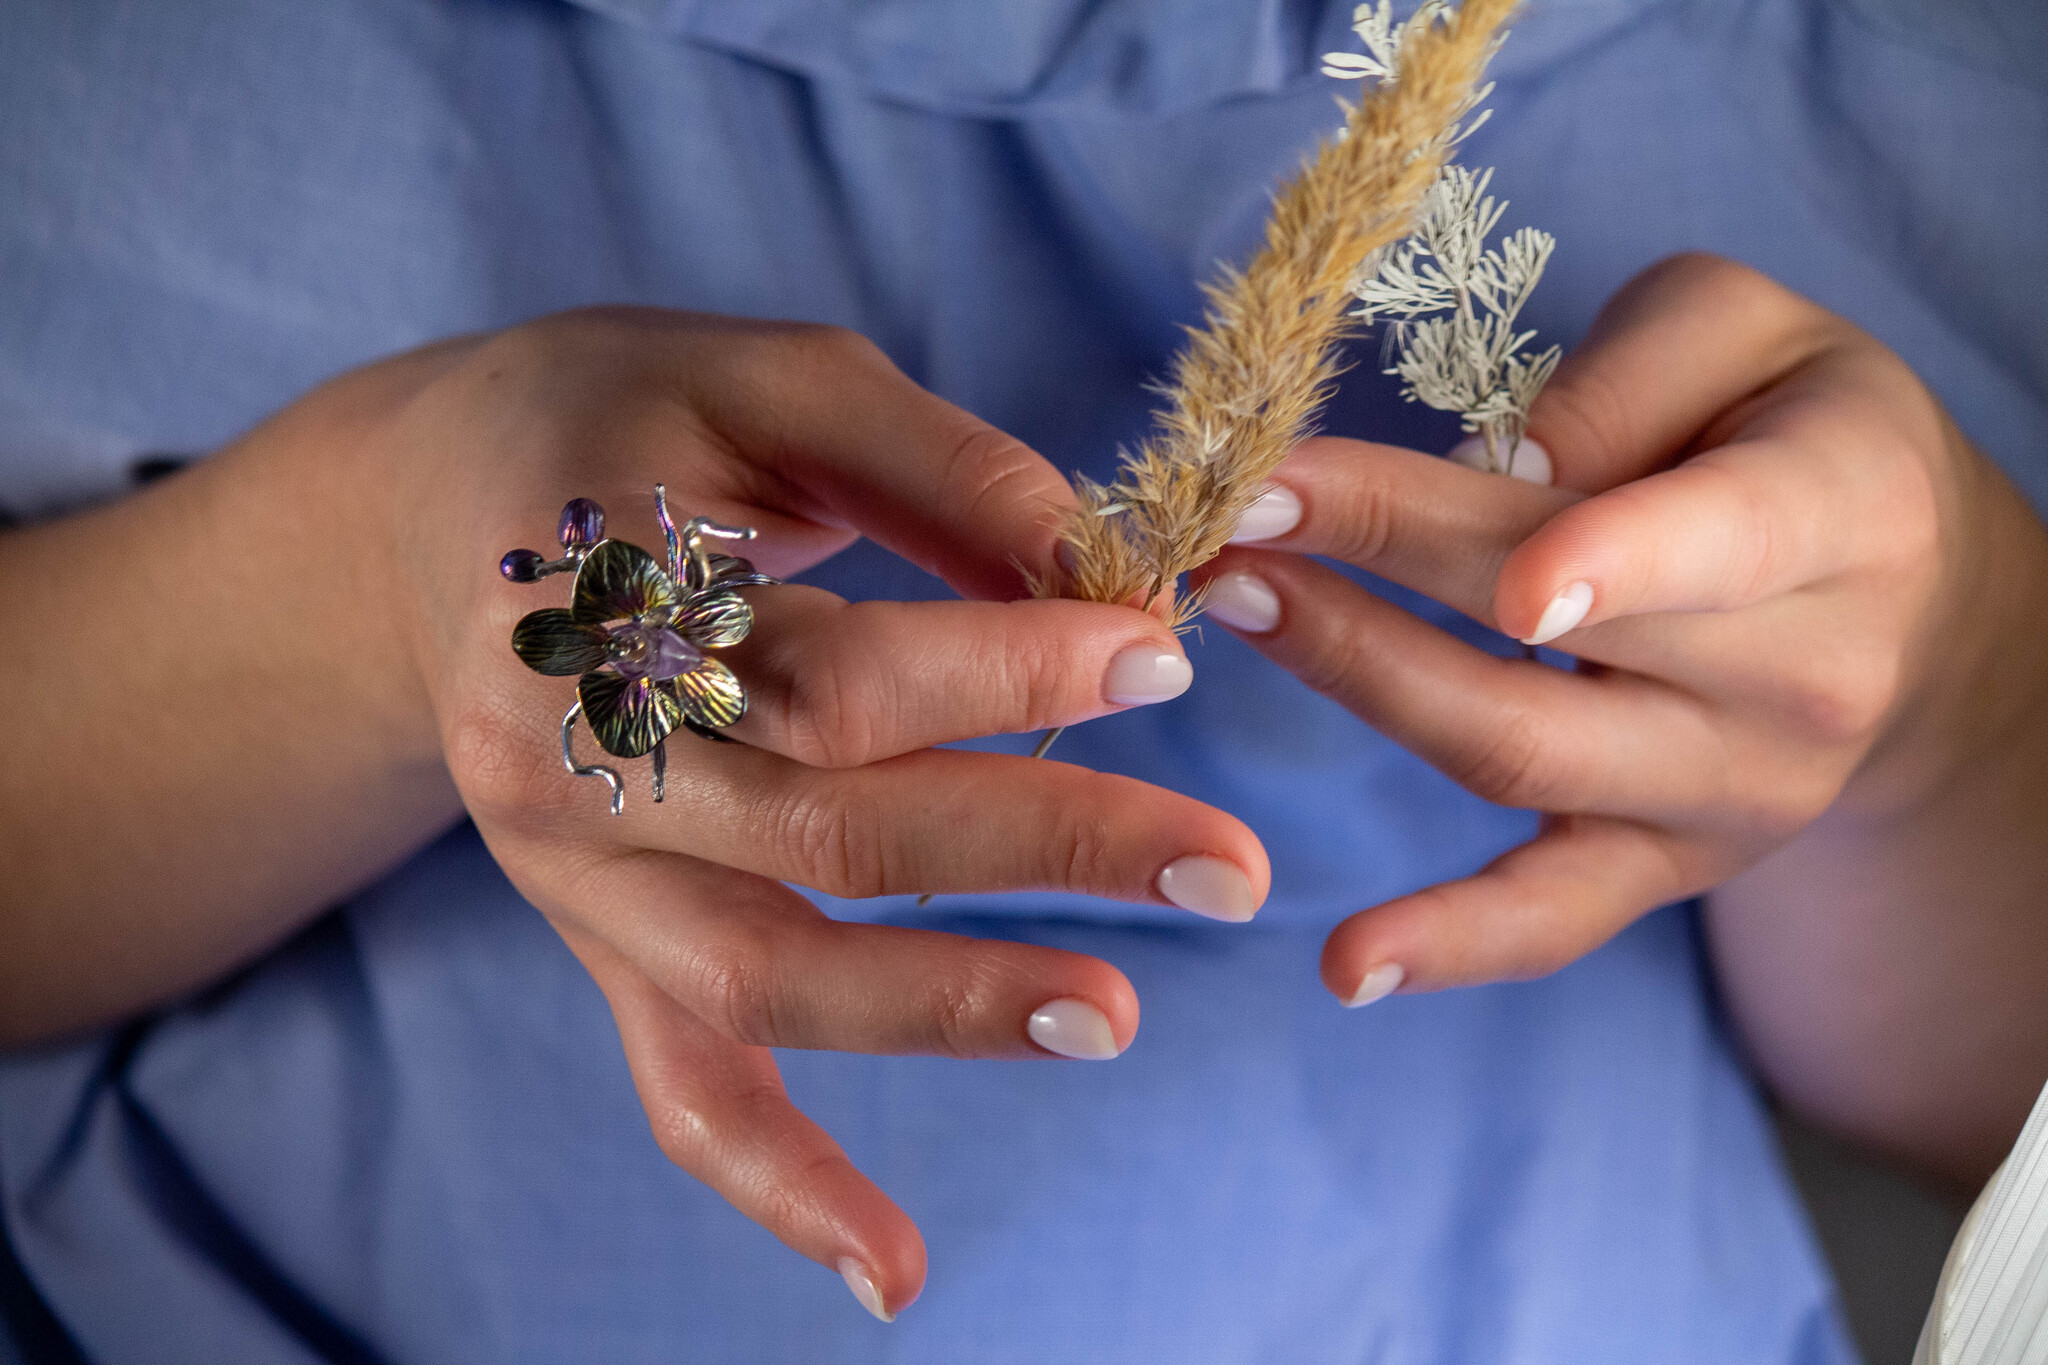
{"points": [[678, 910], [1780, 566]]}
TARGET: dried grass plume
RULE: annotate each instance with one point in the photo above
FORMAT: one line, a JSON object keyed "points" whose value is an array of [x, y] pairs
{"points": [[1251, 379]]}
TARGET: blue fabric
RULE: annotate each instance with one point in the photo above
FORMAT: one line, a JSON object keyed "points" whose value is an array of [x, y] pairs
{"points": [[409, 1136]]}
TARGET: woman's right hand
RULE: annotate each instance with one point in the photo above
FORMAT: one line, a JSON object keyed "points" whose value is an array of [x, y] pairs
{"points": [[679, 910]]}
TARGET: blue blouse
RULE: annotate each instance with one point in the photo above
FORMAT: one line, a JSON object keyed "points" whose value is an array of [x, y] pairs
{"points": [[409, 1135]]}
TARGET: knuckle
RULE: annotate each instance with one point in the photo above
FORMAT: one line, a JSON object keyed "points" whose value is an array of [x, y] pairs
{"points": [[832, 847], [984, 467], [1514, 765], [1792, 801], [1331, 661], [1841, 697], [1581, 410], [733, 986], [1780, 319], [682, 1130], [1035, 678], [505, 776], [954, 1009], [828, 346], [1084, 851], [836, 711], [1369, 521], [1081, 849]]}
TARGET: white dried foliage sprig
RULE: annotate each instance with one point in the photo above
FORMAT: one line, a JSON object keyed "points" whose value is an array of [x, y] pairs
{"points": [[1251, 379], [1452, 303]]}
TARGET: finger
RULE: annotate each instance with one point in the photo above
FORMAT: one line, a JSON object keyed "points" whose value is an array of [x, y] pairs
{"points": [[718, 1110], [828, 412], [838, 684], [929, 821], [1531, 911], [1786, 508], [1512, 731], [763, 966], [1680, 345], [1413, 519]]}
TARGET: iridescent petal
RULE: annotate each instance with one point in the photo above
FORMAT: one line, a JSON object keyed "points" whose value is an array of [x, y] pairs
{"points": [[735, 572], [549, 641], [710, 694], [620, 581], [628, 716], [715, 619]]}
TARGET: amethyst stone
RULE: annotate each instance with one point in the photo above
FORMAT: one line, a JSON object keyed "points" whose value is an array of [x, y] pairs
{"points": [[521, 566], [582, 523], [656, 652]]}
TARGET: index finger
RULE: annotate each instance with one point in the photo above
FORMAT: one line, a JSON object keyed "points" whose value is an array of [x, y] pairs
{"points": [[826, 410]]}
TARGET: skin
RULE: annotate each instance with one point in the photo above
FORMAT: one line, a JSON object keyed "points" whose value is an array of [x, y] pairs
{"points": [[1813, 682], [315, 680], [1810, 679]]}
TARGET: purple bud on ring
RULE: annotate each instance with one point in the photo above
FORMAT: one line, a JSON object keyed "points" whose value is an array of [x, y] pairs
{"points": [[521, 566], [582, 523], [652, 652]]}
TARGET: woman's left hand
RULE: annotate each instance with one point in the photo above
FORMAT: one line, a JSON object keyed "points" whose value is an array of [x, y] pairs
{"points": [[1790, 583]]}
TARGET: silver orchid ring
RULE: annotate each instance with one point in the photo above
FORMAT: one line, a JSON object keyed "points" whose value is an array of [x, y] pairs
{"points": [[637, 636]]}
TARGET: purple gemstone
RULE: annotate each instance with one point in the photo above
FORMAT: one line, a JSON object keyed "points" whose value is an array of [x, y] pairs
{"points": [[582, 523], [652, 652], [521, 566]]}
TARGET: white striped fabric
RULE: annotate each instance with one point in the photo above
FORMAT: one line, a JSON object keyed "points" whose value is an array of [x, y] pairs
{"points": [[1991, 1306]]}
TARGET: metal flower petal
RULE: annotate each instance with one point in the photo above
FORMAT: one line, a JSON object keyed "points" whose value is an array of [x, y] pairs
{"points": [[629, 716], [732, 571], [620, 581], [710, 695], [715, 619], [550, 641]]}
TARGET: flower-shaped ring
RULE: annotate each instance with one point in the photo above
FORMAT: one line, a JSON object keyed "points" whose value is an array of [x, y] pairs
{"points": [[637, 636]]}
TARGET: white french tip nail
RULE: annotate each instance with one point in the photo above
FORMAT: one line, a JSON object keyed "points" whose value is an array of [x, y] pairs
{"points": [[1242, 601], [1215, 887], [1379, 983], [1072, 1028], [856, 1276], [1530, 462], [1276, 512], [1144, 674], [1564, 613]]}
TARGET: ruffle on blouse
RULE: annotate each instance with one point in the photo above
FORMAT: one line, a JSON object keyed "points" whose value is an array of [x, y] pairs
{"points": [[1018, 58]]}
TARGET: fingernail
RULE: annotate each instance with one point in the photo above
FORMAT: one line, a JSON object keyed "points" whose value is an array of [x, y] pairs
{"points": [[1565, 611], [1144, 674], [1215, 887], [1243, 601], [1381, 982], [1072, 1028], [1276, 512], [1530, 462], [856, 1276]]}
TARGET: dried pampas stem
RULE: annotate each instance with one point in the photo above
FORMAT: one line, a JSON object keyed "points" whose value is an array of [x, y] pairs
{"points": [[1248, 385]]}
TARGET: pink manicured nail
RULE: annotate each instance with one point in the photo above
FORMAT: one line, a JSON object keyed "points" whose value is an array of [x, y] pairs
{"points": [[1144, 674], [1242, 601], [1215, 887], [1564, 613], [1072, 1028], [1379, 983], [1276, 512], [1530, 462], [863, 1286]]}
